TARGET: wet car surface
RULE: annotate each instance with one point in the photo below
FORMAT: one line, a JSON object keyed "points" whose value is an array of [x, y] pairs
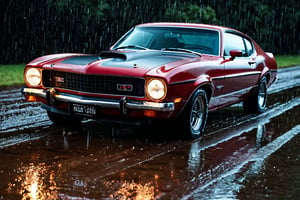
{"points": [[241, 156], [154, 72]]}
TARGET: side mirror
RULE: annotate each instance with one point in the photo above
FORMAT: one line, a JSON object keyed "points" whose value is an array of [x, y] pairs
{"points": [[235, 53]]}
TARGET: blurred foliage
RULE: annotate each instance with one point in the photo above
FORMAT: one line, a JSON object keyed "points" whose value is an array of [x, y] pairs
{"points": [[11, 75], [287, 60], [88, 10], [33, 28], [191, 13]]}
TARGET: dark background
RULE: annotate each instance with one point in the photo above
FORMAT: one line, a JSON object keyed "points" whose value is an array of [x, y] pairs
{"points": [[32, 28]]}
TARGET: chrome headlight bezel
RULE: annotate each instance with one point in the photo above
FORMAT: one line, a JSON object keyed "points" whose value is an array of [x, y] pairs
{"points": [[33, 76], [156, 89]]}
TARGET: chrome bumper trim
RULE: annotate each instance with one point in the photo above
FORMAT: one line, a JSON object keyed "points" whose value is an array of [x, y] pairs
{"points": [[123, 103], [34, 92]]}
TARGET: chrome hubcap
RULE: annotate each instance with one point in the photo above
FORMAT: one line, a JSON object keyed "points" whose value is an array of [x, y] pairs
{"points": [[197, 114], [262, 93]]}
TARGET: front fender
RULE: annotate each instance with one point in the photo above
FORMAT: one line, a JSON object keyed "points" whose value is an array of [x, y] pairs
{"points": [[204, 82]]}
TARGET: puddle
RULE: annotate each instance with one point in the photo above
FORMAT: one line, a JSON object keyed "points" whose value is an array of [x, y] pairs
{"points": [[254, 157]]}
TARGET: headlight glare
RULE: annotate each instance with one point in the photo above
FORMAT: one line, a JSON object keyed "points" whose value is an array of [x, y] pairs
{"points": [[33, 76], [156, 89]]}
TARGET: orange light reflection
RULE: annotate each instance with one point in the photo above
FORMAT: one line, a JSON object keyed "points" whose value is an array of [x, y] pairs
{"points": [[132, 190], [36, 183]]}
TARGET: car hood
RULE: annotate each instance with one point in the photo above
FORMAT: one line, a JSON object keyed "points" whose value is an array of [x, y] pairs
{"points": [[130, 63]]}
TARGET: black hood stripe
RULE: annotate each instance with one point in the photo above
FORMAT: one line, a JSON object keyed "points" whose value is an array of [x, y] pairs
{"points": [[81, 60], [146, 59], [142, 62]]}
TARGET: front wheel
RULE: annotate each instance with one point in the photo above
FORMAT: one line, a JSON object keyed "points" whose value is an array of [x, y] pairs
{"points": [[195, 115], [257, 102]]}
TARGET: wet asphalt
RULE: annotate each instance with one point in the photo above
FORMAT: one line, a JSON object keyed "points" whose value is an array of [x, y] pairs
{"points": [[241, 156]]}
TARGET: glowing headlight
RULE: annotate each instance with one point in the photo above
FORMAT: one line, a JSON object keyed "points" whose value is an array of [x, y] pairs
{"points": [[156, 89], [33, 76]]}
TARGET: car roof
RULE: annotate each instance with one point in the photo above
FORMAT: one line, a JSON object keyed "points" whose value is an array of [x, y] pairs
{"points": [[175, 24], [189, 25]]}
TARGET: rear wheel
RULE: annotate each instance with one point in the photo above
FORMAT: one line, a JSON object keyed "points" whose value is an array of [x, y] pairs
{"points": [[257, 102], [195, 115], [60, 119]]}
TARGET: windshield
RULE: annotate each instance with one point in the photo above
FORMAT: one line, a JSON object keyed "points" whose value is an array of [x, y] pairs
{"points": [[164, 38]]}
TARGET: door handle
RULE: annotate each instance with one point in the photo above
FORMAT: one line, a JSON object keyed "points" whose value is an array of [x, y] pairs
{"points": [[252, 64]]}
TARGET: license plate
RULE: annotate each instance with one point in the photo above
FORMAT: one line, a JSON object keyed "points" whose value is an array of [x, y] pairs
{"points": [[81, 109]]}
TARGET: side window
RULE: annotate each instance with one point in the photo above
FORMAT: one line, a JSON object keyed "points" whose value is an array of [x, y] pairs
{"points": [[233, 42], [249, 47]]}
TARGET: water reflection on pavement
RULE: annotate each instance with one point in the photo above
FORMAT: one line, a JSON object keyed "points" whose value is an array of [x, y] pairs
{"points": [[222, 164], [241, 156]]}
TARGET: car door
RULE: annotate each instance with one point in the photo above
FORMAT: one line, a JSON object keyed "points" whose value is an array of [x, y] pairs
{"points": [[240, 72]]}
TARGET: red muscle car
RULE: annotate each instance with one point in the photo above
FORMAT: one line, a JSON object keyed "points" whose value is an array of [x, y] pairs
{"points": [[176, 71]]}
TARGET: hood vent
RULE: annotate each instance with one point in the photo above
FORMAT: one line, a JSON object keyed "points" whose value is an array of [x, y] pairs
{"points": [[112, 54]]}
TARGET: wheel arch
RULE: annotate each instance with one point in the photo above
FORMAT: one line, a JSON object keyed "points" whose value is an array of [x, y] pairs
{"points": [[265, 73], [194, 115], [206, 86], [208, 89]]}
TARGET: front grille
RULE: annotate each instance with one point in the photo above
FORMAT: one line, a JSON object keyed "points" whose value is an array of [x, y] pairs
{"points": [[94, 83]]}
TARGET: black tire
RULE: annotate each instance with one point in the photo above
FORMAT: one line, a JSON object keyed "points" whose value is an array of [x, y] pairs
{"points": [[195, 115], [257, 101], [61, 120]]}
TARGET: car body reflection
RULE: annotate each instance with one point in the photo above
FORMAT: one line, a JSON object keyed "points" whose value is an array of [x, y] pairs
{"points": [[198, 162], [42, 181]]}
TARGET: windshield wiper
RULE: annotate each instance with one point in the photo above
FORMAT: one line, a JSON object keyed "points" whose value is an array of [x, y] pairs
{"points": [[132, 46], [182, 50]]}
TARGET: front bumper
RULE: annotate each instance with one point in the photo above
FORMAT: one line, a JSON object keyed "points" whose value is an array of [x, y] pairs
{"points": [[124, 104]]}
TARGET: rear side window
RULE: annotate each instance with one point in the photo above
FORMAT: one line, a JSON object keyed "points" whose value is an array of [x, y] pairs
{"points": [[249, 47], [233, 42], [237, 42]]}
